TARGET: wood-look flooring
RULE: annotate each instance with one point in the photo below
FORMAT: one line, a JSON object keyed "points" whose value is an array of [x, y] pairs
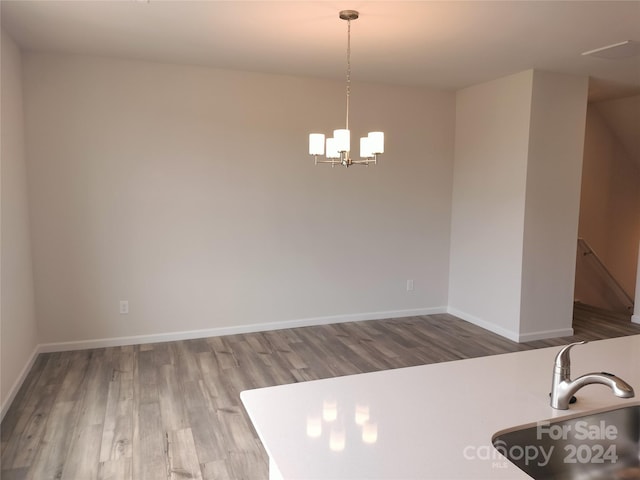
{"points": [[172, 410]]}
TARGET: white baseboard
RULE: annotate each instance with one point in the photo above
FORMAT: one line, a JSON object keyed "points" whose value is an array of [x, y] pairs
{"points": [[492, 327], [635, 318], [13, 391], [216, 332], [543, 334], [511, 335]]}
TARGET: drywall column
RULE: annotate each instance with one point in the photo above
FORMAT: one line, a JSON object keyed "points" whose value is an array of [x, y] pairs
{"points": [[518, 158], [17, 316], [554, 166], [488, 207]]}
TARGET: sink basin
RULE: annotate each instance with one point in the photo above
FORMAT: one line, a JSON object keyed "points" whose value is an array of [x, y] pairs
{"points": [[603, 445]]}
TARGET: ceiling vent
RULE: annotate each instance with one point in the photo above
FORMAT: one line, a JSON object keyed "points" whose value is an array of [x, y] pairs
{"points": [[626, 49]]}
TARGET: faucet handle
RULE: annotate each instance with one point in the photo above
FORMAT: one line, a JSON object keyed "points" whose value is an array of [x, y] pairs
{"points": [[563, 360]]}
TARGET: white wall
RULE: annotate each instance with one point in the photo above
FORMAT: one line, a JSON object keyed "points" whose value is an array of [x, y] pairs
{"points": [[189, 192], [491, 148], [18, 331], [609, 206], [554, 166]]}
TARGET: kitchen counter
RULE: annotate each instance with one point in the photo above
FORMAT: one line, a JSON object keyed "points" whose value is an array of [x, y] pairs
{"points": [[426, 422]]}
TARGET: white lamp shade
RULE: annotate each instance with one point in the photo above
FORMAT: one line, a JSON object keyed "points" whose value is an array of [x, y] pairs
{"points": [[316, 144], [365, 147], [332, 150], [343, 139], [376, 142]]}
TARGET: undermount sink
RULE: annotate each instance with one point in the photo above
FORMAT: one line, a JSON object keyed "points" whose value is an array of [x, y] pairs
{"points": [[604, 445]]}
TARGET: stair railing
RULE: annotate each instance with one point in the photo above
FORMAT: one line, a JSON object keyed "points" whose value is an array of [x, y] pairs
{"points": [[617, 295]]}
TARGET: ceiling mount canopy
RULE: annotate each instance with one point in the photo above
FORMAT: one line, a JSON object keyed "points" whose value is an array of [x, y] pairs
{"points": [[337, 148], [349, 14]]}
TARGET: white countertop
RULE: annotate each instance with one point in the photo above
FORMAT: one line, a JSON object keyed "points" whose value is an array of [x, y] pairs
{"points": [[432, 421]]}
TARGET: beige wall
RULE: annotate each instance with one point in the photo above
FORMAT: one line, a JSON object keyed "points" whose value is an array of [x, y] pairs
{"points": [[609, 205], [18, 331], [189, 192]]}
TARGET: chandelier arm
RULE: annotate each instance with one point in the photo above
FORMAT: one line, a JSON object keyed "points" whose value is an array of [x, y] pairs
{"points": [[366, 161], [331, 161]]}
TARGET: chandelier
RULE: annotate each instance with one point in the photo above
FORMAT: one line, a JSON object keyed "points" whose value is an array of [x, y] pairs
{"points": [[337, 148]]}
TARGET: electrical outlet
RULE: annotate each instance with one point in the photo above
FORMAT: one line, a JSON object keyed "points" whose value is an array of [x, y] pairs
{"points": [[124, 307], [409, 285]]}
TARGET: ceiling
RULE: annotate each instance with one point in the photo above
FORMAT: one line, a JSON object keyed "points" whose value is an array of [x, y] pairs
{"points": [[439, 44]]}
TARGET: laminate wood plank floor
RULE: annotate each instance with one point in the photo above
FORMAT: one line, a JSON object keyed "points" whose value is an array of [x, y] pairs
{"points": [[173, 411]]}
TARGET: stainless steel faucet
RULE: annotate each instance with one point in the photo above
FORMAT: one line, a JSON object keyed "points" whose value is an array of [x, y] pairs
{"points": [[563, 388]]}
